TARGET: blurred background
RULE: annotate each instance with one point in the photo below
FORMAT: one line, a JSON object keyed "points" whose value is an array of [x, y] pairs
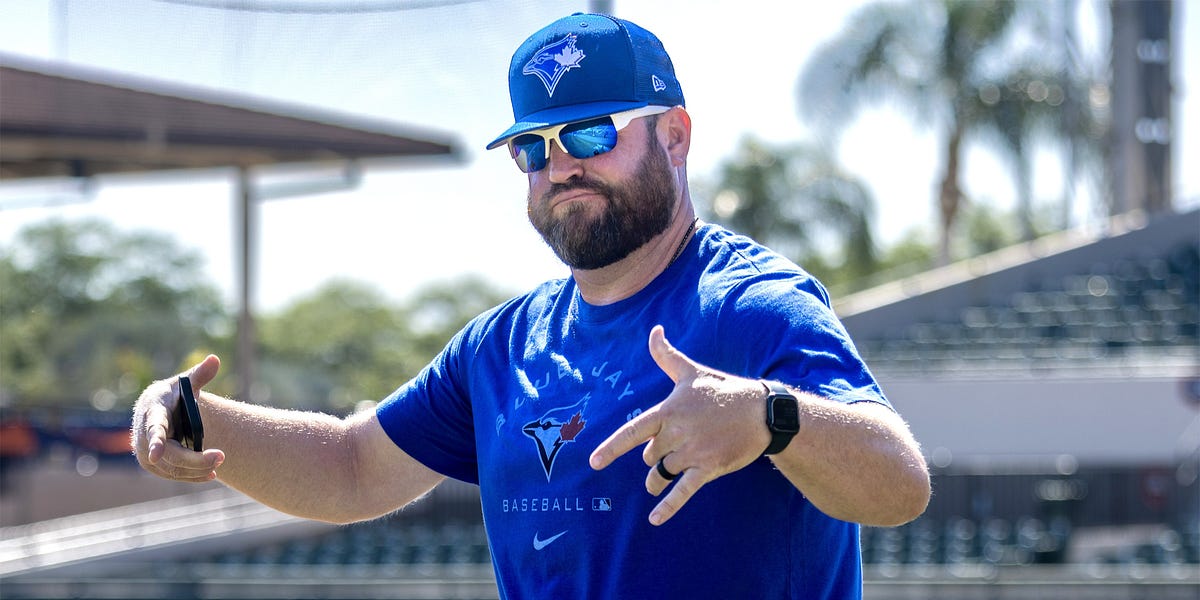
{"points": [[995, 193]]}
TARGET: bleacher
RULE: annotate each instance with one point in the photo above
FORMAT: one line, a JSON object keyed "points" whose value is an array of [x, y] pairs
{"points": [[1027, 540], [391, 542], [1128, 297], [1136, 310], [963, 541], [1001, 358]]}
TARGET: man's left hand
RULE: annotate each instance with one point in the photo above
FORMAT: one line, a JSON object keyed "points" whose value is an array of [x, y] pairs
{"points": [[711, 424]]}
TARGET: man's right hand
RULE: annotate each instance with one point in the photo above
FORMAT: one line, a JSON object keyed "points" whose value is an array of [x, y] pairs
{"points": [[152, 429]]}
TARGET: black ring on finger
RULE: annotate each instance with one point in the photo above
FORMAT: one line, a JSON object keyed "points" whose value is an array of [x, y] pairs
{"points": [[663, 472]]}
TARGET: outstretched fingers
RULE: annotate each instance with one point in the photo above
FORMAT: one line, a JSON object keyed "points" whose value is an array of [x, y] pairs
{"points": [[676, 432], [682, 490], [632, 434]]}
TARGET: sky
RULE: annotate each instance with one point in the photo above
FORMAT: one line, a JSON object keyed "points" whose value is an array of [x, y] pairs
{"points": [[443, 69]]}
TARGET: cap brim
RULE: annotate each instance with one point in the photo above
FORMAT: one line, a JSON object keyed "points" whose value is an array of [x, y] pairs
{"points": [[563, 114]]}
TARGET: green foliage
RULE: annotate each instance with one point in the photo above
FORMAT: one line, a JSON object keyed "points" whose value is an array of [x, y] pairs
{"points": [[90, 314], [345, 343], [987, 230], [975, 70], [913, 253], [325, 349], [796, 200], [437, 312]]}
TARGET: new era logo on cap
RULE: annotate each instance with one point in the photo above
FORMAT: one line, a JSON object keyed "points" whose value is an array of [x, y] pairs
{"points": [[553, 61]]}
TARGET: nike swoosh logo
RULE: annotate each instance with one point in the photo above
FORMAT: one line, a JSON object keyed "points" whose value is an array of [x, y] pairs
{"points": [[539, 544]]}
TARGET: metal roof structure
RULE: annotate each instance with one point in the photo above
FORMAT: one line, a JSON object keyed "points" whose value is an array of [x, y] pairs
{"points": [[61, 120], [58, 120]]}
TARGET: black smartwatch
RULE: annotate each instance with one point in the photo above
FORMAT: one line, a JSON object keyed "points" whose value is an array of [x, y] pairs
{"points": [[783, 416]]}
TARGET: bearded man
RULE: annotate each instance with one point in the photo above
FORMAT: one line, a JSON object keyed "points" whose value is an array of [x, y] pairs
{"points": [[765, 441]]}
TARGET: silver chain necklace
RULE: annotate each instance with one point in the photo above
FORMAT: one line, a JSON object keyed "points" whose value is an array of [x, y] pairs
{"points": [[687, 235]]}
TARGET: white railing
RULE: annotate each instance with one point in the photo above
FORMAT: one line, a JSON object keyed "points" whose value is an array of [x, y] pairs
{"points": [[150, 526]]}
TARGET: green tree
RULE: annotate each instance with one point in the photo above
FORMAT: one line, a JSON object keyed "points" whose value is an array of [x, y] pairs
{"points": [[1041, 102], [347, 343], [910, 255], [436, 312], [797, 200], [972, 69], [90, 313], [331, 349]]}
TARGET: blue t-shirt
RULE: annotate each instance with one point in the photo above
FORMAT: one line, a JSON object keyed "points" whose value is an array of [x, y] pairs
{"points": [[521, 396]]}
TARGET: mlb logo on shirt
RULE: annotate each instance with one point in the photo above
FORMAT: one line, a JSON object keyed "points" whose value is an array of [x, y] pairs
{"points": [[602, 504]]}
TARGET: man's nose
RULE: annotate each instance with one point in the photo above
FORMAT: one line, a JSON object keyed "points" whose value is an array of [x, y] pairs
{"points": [[562, 166]]}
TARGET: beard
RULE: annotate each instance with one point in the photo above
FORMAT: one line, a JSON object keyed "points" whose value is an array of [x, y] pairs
{"points": [[637, 210]]}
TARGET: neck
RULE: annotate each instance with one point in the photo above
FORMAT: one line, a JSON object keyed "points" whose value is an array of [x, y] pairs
{"points": [[629, 275]]}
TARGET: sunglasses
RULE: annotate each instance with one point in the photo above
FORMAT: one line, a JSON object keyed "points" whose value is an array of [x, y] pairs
{"points": [[582, 139]]}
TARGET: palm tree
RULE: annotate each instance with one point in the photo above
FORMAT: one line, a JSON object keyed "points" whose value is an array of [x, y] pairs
{"points": [[959, 66], [798, 201], [1036, 101]]}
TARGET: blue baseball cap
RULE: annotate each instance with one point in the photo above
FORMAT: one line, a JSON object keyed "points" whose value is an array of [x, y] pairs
{"points": [[586, 66]]}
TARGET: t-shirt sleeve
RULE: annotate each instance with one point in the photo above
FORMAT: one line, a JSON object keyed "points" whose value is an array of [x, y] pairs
{"points": [[793, 336], [430, 417]]}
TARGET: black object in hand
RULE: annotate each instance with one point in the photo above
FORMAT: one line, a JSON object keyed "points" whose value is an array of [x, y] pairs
{"points": [[189, 431]]}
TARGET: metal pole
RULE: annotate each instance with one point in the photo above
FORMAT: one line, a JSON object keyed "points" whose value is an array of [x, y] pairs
{"points": [[603, 7], [246, 351], [248, 198]]}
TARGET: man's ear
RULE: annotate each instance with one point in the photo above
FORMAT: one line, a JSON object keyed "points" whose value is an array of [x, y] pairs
{"points": [[675, 133]]}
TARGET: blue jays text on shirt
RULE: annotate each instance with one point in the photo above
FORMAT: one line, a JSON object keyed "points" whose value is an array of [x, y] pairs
{"points": [[556, 428]]}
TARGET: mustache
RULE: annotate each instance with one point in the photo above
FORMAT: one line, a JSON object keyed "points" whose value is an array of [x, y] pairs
{"points": [[577, 184]]}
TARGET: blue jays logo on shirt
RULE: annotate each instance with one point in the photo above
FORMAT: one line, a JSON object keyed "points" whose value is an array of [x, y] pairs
{"points": [[551, 433], [551, 62]]}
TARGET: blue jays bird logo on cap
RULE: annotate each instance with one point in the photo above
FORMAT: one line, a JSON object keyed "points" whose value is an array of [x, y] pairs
{"points": [[551, 62]]}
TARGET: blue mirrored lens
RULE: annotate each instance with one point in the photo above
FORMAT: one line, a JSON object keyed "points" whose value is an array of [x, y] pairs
{"points": [[589, 138], [530, 152], [581, 140]]}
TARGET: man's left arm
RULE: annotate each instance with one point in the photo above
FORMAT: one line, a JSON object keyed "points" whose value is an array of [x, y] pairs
{"points": [[856, 462]]}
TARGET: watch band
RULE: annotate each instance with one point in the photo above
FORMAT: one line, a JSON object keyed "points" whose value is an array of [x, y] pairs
{"points": [[783, 416]]}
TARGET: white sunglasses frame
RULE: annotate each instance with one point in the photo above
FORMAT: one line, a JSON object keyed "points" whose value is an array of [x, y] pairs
{"points": [[620, 121]]}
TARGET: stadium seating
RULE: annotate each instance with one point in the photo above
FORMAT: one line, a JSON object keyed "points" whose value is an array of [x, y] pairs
{"points": [[408, 543], [389, 541], [1135, 309], [1028, 541]]}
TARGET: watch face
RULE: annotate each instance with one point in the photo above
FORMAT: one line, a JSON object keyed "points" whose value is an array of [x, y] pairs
{"points": [[785, 414]]}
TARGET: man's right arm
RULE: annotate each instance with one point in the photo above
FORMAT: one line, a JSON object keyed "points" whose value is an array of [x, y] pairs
{"points": [[306, 464]]}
